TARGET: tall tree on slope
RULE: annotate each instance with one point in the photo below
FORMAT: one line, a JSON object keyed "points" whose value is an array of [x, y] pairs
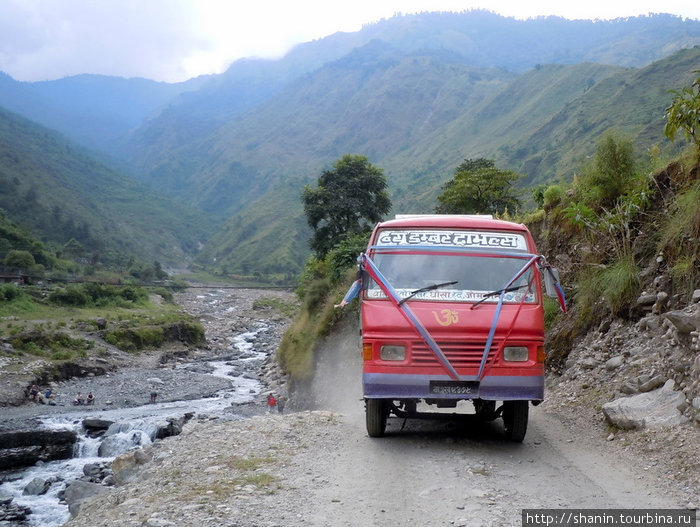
{"points": [[348, 200]]}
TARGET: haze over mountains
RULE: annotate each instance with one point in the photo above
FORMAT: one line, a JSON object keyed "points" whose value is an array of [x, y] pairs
{"points": [[226, 156]]}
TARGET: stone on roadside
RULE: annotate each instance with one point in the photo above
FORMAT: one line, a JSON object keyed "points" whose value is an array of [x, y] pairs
{"points": [[615, 362], [656, 409], [696, 296], [683, 322], [647, 385], [646, 299], [588, 363]]}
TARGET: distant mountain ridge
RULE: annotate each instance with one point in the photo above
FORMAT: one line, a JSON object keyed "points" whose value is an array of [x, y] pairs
{"points": [[416, 94]]}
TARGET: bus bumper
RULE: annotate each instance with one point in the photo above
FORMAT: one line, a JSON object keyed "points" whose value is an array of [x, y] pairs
{"points": [[491, 387]]}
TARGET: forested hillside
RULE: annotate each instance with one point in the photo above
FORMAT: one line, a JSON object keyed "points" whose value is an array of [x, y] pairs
{"points": [[543, 124], [57, 191]]}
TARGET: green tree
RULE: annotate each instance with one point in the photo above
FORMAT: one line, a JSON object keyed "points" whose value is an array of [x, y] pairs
{"points": [[478, 187], [22, 260], [73, 249], [684, 113], [348, 200], [611, 173]]}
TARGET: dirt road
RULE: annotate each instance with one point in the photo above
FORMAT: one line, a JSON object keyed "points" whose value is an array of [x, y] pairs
{"points": [[462, 472]]}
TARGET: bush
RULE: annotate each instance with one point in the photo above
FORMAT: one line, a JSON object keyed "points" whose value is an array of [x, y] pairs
{"points": [[136, 339], [133, 294], [617, 285], [344, 255], [610, 174], [552, 197], [70, 296], [164, 293], [9, 292]]}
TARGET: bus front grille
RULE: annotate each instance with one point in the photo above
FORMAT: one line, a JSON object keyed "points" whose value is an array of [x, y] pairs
{"points": [[459, 354]]}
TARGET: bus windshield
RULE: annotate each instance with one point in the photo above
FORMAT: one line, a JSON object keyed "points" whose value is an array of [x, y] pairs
{"points": [[477, 277]]}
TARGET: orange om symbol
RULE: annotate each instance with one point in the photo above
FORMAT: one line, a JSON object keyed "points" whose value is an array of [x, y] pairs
{"points": [[446, 317]]}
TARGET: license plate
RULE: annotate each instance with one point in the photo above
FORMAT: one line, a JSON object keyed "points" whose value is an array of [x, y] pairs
{"points": [[454, 387]]}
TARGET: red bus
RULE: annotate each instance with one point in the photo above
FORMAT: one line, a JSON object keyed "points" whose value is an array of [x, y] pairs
{"points": [[452, 310]]}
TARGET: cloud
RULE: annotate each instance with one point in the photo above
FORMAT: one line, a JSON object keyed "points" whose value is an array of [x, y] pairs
{"points": [[173, 40], [48, 39]]}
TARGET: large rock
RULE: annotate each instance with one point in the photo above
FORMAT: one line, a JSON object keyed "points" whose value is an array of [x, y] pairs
{"points": [[128, 465], [24, 448], [685, 322], [94, 425], [657, 409], [78, 491], [37, 487]]}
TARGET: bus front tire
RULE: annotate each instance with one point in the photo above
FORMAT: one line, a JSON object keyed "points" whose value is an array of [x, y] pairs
{"points": [[515, 415], [376, 413]]}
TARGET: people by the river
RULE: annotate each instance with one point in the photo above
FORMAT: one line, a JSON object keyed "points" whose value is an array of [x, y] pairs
{"points": [[34, 393], [90, 398], [271, 402], [280, 404], [153, 397], [79, 400]]}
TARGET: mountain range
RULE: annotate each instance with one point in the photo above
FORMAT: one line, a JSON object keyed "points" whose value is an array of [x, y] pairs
{"points": [[212, 169]]}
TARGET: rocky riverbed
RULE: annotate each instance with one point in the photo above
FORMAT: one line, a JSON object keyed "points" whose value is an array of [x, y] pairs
{"points": [[242, 335]]}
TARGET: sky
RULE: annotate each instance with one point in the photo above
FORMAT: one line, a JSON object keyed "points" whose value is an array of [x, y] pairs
{"points": [[174, 40]]}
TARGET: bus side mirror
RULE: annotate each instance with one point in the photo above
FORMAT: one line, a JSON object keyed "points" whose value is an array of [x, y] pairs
{"points": [[551, 277]]}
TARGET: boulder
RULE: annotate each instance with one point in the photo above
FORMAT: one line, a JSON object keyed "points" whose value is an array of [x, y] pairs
{"points": [[78, 491], [127, 466], [646, 299], [615, 362], [92, 470], [96, 425], [647, 385], [23, 448], [683, 321], [37, 487], [656, 409], [172, 427]]}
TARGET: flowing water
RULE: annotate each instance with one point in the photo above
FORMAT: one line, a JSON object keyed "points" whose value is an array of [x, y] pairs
{"points": [[132, 428]]}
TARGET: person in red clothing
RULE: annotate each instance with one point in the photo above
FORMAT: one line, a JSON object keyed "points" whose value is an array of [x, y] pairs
{"points": [[271, 402]]}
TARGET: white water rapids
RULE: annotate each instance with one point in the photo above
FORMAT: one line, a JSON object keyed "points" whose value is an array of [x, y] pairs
{"points": [[133, 428]]}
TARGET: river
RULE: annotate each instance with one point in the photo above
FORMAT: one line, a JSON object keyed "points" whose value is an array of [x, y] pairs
{"points": [[241, 344]]}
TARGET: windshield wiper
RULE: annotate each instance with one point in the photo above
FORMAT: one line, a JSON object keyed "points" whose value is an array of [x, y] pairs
{"points": [[498, 292], [424, 289]]}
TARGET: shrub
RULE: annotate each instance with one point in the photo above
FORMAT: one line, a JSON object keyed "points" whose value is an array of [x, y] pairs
{"points": [[164, 293], [620, 284], [610, 174], [344, 255], [70, 296], [9, 292], [552, 197]]}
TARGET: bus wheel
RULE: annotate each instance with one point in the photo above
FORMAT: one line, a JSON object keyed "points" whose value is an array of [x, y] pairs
{"points": [[376, 413], [515, 415]]}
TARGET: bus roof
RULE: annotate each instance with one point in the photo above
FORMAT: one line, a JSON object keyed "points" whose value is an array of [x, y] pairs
{"points": [[451, 221]]}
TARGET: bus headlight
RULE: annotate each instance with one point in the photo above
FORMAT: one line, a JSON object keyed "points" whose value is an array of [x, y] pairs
{"points": [[392, 353], [516, 353]]}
